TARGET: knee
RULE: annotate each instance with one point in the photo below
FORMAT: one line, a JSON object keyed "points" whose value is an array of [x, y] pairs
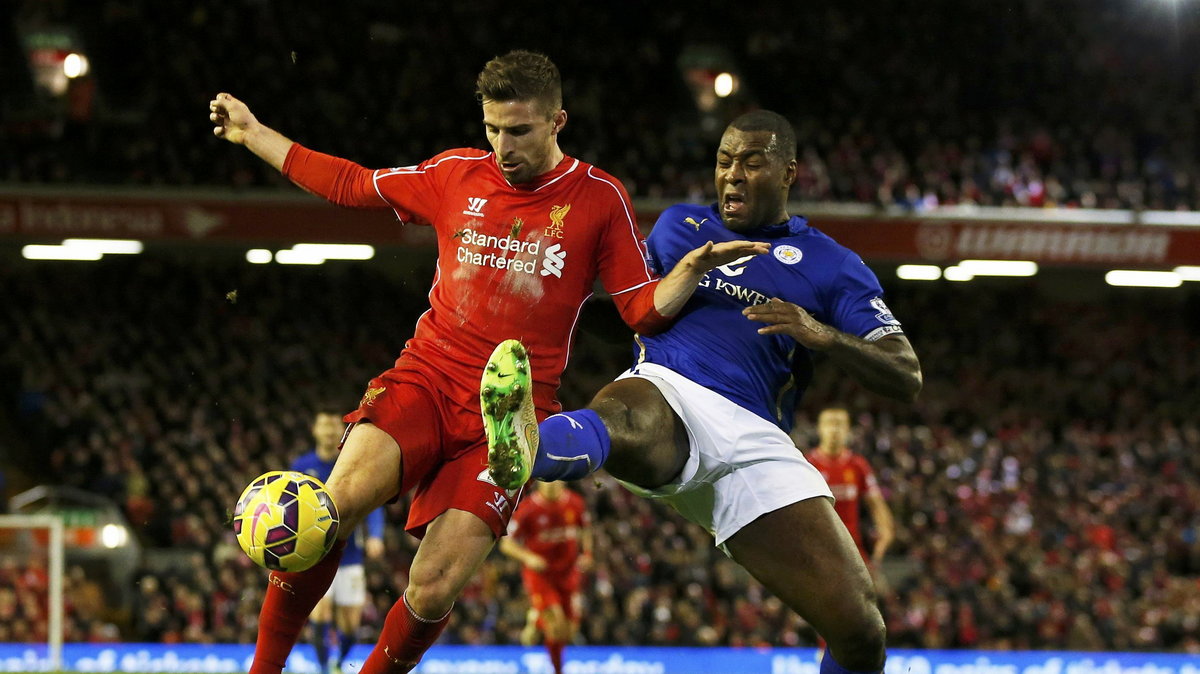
{"points": [[642, 451], [860, 645], [621, 419], [430, 594]]}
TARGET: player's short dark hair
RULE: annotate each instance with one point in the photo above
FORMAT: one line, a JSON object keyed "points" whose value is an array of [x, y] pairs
{"points": [[521, 75], [765, 120], [330, 408]]}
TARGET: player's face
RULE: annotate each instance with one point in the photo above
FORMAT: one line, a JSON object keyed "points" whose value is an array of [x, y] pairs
{"points": [[523, 136], [834, 428], [327, 430], [752, 180]]}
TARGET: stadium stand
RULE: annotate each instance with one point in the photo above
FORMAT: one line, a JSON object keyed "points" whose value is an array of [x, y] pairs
{"points": [[1046, 486], [1046, 489], [1069, 106]]}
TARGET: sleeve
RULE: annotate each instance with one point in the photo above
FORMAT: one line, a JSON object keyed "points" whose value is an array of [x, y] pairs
{"points": [[870, 485], [375, 523], [623, 261], [338, 180], [855, 302], [415, 193]]}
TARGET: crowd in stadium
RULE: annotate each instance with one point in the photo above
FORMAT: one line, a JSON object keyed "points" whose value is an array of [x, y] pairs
{"points": [[1075, 105], [1045, 485]]}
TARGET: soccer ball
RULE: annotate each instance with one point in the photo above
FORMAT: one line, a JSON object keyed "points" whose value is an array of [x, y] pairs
{"points": [[285, 521]]}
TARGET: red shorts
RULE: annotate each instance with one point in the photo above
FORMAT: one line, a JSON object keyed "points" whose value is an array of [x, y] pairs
{"points": [[442, 447], [554, 589]]}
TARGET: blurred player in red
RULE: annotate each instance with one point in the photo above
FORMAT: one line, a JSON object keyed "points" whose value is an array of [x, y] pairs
{"points": [[551, 536], [523, 233], [852, 482]]}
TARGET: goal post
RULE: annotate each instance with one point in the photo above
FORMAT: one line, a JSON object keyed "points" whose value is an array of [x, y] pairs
{"points": [[54, 526]]}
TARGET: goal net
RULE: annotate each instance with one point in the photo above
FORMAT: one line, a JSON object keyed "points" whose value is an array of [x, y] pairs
{"points": [[31, 591]]}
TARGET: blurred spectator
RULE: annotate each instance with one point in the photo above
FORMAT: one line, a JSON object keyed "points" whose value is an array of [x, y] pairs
{"points": [[1031, 104], [1046, 487]]}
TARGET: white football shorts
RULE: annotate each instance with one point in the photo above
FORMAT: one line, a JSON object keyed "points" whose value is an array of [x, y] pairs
{"points": [[349, 586], [740, 467]]}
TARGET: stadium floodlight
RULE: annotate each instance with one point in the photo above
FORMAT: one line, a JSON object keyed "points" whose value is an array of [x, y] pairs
{"points": [[957, 273], [291, 256], [337, 251], [44, 252], [724, 84], [113, 536], [75, 65], [1143, 279], [258, 256], [106, 246], [999, 267], [1188, 272], [919, 272]]}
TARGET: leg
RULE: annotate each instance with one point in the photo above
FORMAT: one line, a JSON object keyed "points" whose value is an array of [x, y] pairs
{"points": [[629, 428], [804, 555], [319, 621], [455, 545], [557, 630], [649, 442], [349, 618], [529, 633], [366, 475], [348, 611]]}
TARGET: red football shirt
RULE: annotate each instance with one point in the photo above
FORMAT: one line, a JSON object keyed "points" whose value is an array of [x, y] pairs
{"points": [[850, 478], [551, 529], [514, 262]]}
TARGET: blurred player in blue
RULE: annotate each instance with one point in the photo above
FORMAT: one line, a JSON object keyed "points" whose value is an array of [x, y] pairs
{"points": [[342, 605], [701, 419]]}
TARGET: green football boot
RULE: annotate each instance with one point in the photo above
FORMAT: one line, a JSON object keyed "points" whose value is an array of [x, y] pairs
{"points": [[506, 398]]}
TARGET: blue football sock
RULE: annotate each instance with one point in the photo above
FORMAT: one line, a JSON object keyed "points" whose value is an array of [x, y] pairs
{"points": [[573, 445], [830, 666], [345, 643], [320, 642]]}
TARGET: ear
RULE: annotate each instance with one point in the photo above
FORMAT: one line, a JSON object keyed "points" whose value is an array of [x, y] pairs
{"points": [[789, 173], [558, 122]]}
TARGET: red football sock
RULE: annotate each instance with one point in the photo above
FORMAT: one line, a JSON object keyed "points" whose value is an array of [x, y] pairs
{"points": [[556, 654], [403, 640], [290, 598]]}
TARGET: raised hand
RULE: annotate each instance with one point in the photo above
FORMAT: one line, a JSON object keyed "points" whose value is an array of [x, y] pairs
{"points": [[231, 117], [712, 255]]}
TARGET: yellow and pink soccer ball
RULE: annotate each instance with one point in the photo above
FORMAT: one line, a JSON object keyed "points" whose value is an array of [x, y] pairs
{"points": [[285, 521]]}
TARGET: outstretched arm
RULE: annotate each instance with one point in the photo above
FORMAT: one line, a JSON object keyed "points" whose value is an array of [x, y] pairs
{"points": [[677, 287], [650, 308], [338, 180], [236, 124], [885, 526], [522, 554], [888, 366]]}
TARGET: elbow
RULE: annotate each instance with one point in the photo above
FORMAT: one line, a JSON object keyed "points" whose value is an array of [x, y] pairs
{"points": [[911, 388], [652, 323], [905, 387], [648, 328]]}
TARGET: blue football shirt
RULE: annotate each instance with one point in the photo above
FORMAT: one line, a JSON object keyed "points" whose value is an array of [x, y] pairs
{"points": [[714, 345], [310, 464]]}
